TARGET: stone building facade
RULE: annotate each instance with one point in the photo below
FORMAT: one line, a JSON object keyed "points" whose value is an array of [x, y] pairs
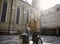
{"points": [[50, 19], [14, 14]]}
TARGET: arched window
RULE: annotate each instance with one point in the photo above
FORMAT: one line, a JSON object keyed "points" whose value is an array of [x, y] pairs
{"points": [[17, 17], [4, 11], [27, 15]]}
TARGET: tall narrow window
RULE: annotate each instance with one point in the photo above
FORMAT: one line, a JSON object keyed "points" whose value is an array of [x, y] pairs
{"points": [[27, 16], [18, 13], [4, 11]]}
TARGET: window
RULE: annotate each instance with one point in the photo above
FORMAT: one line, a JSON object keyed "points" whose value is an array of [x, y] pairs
{"points": [[18, 13], [27, 16], [4, 11]]}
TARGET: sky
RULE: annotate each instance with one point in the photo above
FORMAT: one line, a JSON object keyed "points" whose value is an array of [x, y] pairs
{"points": [[46, 4], [29, 1]]}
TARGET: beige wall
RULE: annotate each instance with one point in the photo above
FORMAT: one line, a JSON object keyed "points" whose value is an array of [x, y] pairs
{"points": [[24, 7], [5, 25], [1, 4]]}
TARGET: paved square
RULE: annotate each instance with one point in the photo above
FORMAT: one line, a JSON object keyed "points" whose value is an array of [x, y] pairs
{"points": [[14, 39]]}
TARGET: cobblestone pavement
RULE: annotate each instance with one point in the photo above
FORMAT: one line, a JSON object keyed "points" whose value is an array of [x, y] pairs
{"points": [[14, 39], [9, 39], [50, 40]]}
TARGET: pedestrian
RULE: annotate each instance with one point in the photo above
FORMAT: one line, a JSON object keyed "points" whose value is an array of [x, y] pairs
{"points": [[35, 27]]}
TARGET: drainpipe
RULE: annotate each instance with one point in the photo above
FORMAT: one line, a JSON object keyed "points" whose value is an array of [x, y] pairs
{"points": [[10, 16]]}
